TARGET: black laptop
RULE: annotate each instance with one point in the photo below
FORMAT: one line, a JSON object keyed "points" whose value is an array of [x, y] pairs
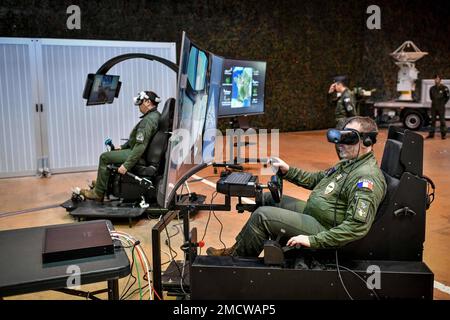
{"points": [[76, 241]]}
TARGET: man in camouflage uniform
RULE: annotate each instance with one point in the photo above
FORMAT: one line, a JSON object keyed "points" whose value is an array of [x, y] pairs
{"points": [[340, 97], [340, 209], [439, 95], [128, 154]]}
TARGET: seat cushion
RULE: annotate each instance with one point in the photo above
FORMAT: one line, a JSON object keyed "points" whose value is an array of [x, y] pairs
{"points": [[143, 171], [392, 185]]}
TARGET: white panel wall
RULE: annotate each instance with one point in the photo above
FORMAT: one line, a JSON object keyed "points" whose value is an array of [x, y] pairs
{"points": [[17, 109], [72, 134], [76, 132]]}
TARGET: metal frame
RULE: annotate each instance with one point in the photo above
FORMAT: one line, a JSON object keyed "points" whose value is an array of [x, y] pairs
{"points": [[164, 222], [112, 62]]}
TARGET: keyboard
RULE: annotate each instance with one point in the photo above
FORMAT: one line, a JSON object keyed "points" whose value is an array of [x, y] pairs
{"points": [[238, 184], [240, 178]]}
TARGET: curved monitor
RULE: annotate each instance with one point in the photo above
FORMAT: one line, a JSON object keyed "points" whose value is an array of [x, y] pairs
{"points": [[191, 145], [242, 89], [209, 86]]}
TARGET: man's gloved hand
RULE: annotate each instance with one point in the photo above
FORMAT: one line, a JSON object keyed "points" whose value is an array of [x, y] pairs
{"points": [[278, 164], [122, 170]]}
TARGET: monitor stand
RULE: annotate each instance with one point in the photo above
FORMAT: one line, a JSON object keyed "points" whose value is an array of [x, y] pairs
{"points": [[241, 122]]}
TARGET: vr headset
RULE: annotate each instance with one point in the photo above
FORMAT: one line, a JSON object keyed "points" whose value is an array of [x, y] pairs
{"points": [[143, 95], [351, 137]]}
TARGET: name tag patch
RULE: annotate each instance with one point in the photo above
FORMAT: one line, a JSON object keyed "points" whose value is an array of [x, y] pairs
{"points": [[330, 187]]}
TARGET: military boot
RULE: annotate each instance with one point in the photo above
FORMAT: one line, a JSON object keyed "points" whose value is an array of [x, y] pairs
{"points": [[430, 136], [91, 195], [221, 252]]}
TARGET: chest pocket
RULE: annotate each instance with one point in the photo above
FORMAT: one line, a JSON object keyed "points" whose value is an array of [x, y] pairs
{"points": [[322, 200]]}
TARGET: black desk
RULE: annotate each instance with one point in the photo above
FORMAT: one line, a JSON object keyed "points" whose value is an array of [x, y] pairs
{"points": [[22, 270]]}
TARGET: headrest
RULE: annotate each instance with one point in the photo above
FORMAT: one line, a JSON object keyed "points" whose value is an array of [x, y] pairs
{"points": [[167, 115], [391, 163]]}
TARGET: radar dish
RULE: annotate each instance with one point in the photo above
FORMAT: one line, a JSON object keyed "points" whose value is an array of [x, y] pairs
{"points": [[401, 55]]}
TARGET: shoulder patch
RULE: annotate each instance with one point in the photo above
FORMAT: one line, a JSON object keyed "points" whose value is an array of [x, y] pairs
{"points": [[361, 210], [140, 136], [365, 183], [330, 187], [330, 171]]}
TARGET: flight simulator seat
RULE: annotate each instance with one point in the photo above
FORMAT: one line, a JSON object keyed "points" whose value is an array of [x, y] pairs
{"points": [[398, 231], [394, 244], [150, 166]]}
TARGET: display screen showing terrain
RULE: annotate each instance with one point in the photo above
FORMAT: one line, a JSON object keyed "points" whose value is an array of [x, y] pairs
{"points": [[242, 89]]}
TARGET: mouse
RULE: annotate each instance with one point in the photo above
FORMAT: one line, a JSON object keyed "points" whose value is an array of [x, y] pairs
{"points": [[193, 197]]}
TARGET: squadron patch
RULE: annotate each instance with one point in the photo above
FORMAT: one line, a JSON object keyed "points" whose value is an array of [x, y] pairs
{"points": [[365, 183], [330, 171], [329, 188], [361, 210], [347, 104], [140, 136]]}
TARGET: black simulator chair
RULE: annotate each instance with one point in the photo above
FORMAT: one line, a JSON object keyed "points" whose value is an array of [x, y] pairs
{"points": [[394, 245], [150, 166], [136, 191], [398, 231]]}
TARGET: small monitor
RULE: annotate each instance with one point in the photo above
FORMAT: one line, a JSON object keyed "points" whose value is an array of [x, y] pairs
{"points": [[242, 89], [101, 89]]}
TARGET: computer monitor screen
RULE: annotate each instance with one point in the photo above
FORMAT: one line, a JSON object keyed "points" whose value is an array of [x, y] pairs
{"points": [[242, 88], [103, 89], [195, 120]]}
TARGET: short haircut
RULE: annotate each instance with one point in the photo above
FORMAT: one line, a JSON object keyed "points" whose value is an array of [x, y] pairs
{"points": [[367, 124], [153, 97], [437, 75]]}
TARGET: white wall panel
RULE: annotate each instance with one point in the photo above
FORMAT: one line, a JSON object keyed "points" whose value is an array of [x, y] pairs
{"points": [[17, 109], [76, 132], [52, 72]]}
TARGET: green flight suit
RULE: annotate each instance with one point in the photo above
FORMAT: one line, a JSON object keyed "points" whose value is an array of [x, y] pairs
{"points": [[340, 209], [131, 151], [345, 106], [439, 96]]}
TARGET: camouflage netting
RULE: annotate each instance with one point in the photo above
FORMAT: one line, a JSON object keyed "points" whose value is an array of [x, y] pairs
{"points": [[304, 43]]}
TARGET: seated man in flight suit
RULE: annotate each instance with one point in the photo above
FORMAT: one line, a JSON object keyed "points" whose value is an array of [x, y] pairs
{"points": [[128, 154], [340, 209]]}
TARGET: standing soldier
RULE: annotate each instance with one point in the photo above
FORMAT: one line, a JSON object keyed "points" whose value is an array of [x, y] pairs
{"points": [[439, 95], [343, 100]]}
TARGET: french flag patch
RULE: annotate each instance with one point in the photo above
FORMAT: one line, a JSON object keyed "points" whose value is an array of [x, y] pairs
{"points": [[365, 184]]}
